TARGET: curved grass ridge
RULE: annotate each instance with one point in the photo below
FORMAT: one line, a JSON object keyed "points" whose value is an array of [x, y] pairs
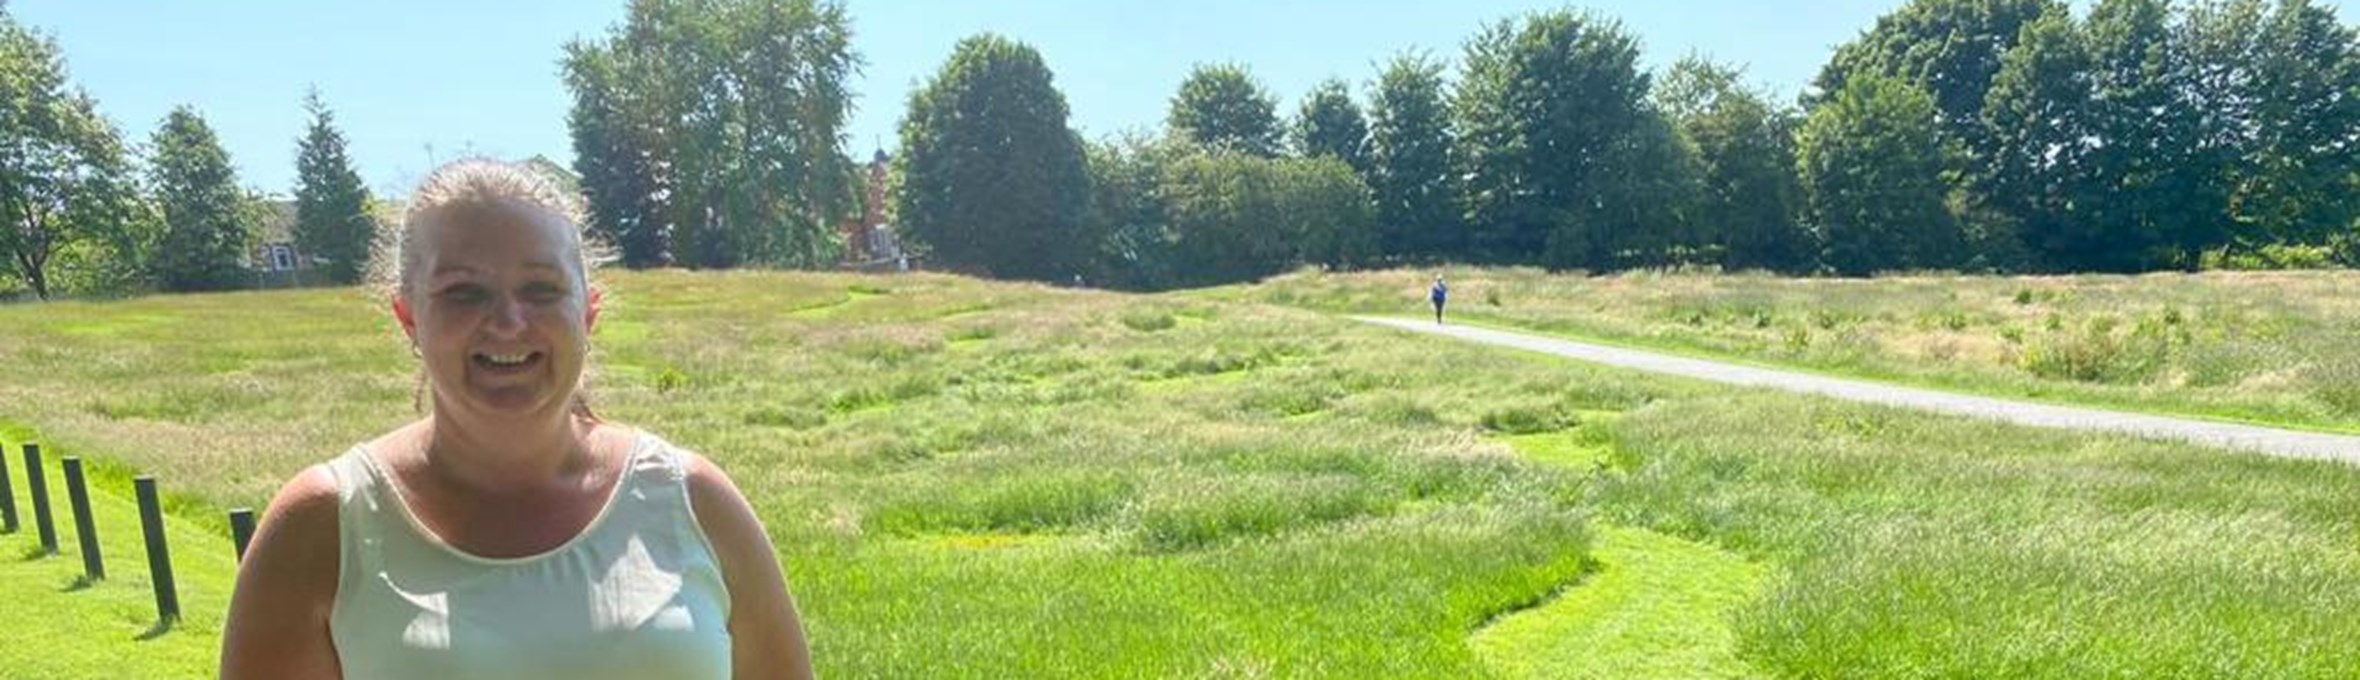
{"points": [[1654, 606]]}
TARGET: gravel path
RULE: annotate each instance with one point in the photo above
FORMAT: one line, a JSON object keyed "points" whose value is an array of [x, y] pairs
{"points": [[2276, 442]]}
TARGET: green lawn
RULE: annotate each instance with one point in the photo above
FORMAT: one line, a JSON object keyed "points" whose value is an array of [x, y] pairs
{"points": [[1657, 607], [61, 626], [969, 479]]}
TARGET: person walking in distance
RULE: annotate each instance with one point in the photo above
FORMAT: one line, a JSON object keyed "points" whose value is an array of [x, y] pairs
{"points": [[1439, 294]]}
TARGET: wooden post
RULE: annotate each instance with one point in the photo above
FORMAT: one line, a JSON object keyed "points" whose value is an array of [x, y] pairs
{"points": [[85, 527], [151, 522], [241, 528], [37, 482]]}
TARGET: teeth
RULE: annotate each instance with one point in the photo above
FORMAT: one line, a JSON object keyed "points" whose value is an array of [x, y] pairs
{"points": [[508, 359]]}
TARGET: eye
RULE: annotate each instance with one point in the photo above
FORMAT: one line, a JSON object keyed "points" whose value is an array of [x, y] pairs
{"points": [[542, 293], [463, 293]]}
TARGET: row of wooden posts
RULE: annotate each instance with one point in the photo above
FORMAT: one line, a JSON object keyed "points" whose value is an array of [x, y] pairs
{"points": [[94, 568]]}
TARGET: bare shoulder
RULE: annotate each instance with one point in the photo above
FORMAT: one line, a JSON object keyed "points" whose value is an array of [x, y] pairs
{"points": [[278, 613], [709, 488], [726, 517], [767, 630], [306, 505]]}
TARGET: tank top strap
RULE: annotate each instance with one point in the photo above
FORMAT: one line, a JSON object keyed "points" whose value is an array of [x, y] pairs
{"points": [[656, 482], [354, 474], [364, 496], [655, 461]]}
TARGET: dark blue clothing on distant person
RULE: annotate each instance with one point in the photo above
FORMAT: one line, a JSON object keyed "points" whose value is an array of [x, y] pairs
{"points": [[1440, 294]]}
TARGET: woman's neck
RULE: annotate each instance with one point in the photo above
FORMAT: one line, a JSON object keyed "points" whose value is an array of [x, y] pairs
{"points": [[507, 455]]}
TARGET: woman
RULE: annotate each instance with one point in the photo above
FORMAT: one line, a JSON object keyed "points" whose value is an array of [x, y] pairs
{"points": [[1439, 295], [510, 533]]}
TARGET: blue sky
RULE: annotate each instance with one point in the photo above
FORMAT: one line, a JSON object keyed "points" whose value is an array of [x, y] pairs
{"points": [[420, 80]]}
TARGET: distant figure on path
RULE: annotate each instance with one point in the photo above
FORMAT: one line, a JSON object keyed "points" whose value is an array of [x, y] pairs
{"points": [[509, 531], [1439, 294]]}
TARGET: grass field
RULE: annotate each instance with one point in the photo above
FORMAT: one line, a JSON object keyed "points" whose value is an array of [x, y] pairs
{"points": [[2269, 347], [969, 479]]}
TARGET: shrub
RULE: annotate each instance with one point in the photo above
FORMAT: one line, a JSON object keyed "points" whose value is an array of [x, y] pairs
{"points": [[1148, 321], [1525, 419], [2275, 256]]}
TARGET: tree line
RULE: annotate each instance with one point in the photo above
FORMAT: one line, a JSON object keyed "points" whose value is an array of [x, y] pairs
{"points": [[88, 213], [1975, 135]]}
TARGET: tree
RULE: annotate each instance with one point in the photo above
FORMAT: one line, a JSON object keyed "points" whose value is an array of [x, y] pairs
{"points": [[1748, 196], [1222, 107], [1870, 159], [2038, 112], [65, 183], [614, 155], [1644, 213], [1546, 115], [1410, 171], [738, 109], [206, 215], [991, 177], [332, 221], [2162, 200], [1330, 125], [2293, 184], [1236, 217], [1127, 223], [1952, 48], [1329, 209]]}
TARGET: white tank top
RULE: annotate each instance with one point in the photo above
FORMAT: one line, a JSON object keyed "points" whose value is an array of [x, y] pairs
{"points": [[637, 594]]}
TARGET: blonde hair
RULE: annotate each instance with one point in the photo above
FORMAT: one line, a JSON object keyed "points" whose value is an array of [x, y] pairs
{"points": [[477, 182]]}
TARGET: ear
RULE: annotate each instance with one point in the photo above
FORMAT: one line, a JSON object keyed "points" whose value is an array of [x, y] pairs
{"points": [[590, 314], [408, 319]]}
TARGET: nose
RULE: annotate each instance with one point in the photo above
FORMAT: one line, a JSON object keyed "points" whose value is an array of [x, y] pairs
{"points": [[508, 316]]}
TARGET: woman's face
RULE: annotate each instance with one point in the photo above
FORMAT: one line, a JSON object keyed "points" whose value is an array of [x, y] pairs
{"points": [[499, 311]]}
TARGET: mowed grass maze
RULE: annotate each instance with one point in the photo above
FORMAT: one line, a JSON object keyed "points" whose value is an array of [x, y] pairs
{"points": [[975, 479]]}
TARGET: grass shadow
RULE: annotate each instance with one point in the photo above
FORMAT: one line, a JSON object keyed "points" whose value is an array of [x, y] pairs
{"points": [[81, 583], [35, 553]]}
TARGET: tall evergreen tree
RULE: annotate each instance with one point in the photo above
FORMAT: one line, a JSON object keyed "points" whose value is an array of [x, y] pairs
{"points": [[1410, 162], [1330, 125], [1870, 159], [332, 221], [1222, 107], [207, 228], [991, 177]]}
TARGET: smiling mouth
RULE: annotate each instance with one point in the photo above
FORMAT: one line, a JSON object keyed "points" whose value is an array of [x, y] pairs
{"points": [[506, 362]]}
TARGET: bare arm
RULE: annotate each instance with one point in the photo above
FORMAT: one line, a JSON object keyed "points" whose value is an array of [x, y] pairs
{"points": [[766, 634], [278, 616]]}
